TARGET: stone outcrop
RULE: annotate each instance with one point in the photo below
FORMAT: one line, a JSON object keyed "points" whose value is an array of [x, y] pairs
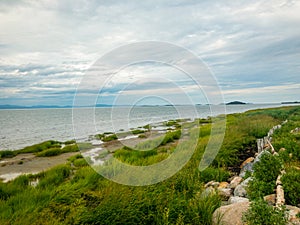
{"points": [[230, 214]]}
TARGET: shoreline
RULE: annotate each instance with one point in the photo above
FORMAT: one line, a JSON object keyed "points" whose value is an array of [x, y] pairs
{"points": [[61, 127], [29, 163]]}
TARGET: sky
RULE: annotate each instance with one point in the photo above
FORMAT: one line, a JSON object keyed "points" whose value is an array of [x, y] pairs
{"points": [[250, 48]]}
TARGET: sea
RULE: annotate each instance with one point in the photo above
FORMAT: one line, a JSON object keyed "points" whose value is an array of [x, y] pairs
{"points": [[24, 127]]}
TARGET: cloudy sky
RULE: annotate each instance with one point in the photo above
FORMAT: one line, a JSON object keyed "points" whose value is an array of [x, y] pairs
{"points": [[251, 47]]}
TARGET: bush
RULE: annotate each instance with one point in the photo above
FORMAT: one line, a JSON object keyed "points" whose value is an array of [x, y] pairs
{"points": [[7, 154], [40, 147], [49, 152], [268, 168], [291, 186], [134, 132], [171, 136], [80, 162], [262, 213], [109, 138], [265, 174], [70, 148], [70, 142]]}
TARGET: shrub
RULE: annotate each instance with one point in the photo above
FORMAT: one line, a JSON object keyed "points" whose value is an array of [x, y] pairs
{"points": [[134, 132], [74, 157], [291, 186], [265, 174], [7, 154], [70, 148], [262, 213], [49, 152], [40, 147], [268, 168], [171, 136], [80, 162], [69, 142], [109, 138]]}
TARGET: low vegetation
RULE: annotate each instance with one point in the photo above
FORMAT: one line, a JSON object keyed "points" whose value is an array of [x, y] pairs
{"points": [[75, 194]]}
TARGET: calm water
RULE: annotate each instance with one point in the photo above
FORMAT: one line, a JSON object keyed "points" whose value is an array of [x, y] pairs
{"points": [[20, 128]]}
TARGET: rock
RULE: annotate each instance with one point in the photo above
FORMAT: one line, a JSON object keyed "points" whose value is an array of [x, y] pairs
{"points": [[249, 160], [212, 183], [296, 130], [292, 212], [279, 196], [247, 167], [257, 159], [236, 199], [270, 199], [240, 190], [230, 214], [235, 182], [260, 145], [282, 150], [278, 180], [224, 193], [223, 185], [208, 191]]}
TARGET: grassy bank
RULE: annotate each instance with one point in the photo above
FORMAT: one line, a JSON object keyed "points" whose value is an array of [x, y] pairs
{"points": [[75, 194]]}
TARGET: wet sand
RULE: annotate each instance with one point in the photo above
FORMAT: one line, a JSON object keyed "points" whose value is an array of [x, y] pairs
{"points": [[28, 163], [11, 168]]}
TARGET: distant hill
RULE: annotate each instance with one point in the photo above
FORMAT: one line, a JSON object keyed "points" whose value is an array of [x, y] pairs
{"points": [[236, 103], [32, 107], [296, 102]]}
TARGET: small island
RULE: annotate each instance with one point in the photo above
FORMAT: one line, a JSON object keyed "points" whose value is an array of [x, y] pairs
{"points": [[236, 103]]}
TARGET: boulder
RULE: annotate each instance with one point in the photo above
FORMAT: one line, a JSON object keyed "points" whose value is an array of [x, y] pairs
{"points": [[296, 130], [230, 214], [240, 190], [224, 193], [236, 199], [270, 199], [235, 182], [249, 160], [292, 212], [212, 183], [223, 185], [247, 167], [279, 196], [208, 191]]}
